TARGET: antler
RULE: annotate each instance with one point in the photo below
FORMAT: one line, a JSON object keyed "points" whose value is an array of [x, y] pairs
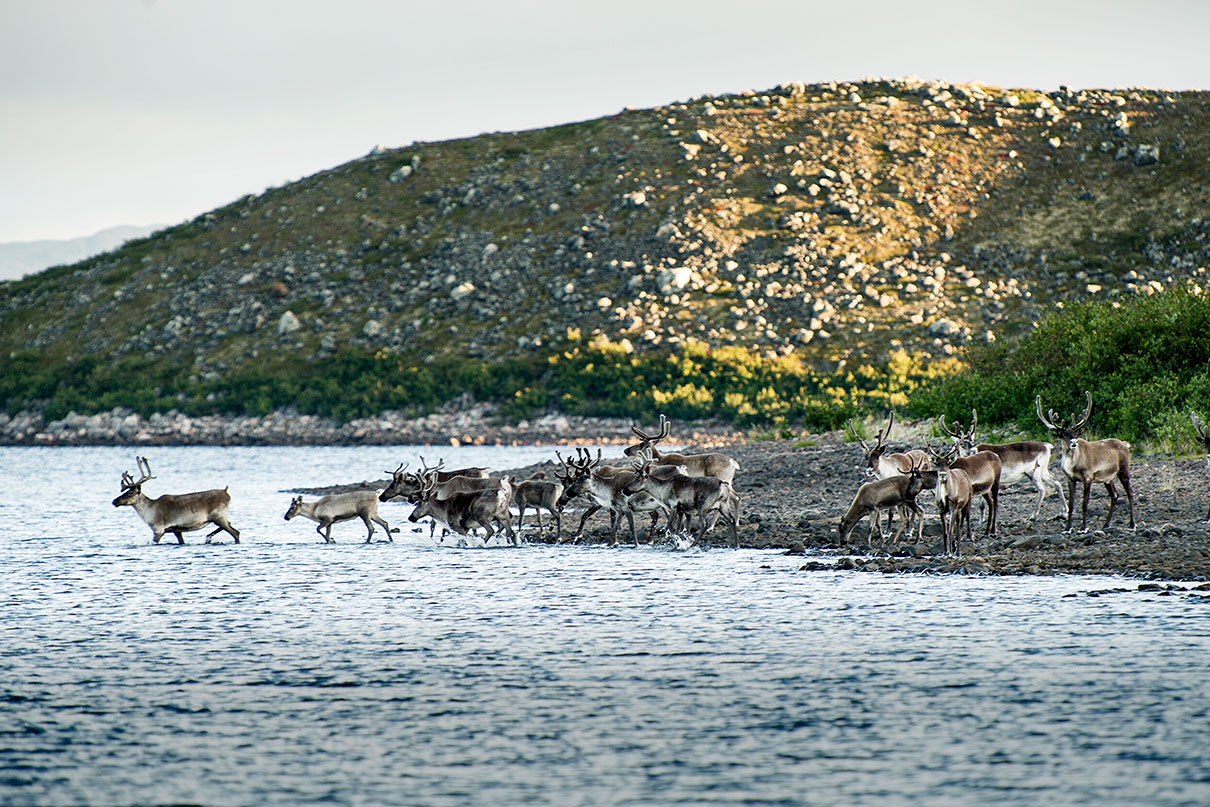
{"points": [[1047, 423], [974, 420], [399, 470], [1079, 425], [885, 433], [425, 466], [145, 473], [642, 435], [665, 426], [948, 430], [856, 436]]}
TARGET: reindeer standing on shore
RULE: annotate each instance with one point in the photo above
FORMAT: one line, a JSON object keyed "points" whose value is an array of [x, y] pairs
{"points": [[1087, 462], [175, 514], [1027, 459], [898, 491], [953, 493]]}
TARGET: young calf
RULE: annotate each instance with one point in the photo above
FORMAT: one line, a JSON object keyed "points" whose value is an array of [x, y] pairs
{"points": [[338, 507], [538, 494]]}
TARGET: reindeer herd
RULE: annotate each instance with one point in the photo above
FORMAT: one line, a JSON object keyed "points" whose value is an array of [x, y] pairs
{"points": [[691, 491], [694, 491]]}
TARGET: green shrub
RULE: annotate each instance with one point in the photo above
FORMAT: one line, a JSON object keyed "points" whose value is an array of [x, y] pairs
{"points": [[1146, 363]]}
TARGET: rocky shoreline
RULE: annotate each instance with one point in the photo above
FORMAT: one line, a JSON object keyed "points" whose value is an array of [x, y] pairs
{"points": [[794, 495], [460, 423]]}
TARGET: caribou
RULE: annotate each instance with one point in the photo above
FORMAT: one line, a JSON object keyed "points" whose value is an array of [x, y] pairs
{"points": [[404, 484], [689, 496], [461, 512], [175, 514], [1088, 462], [719, 466], [1203, 437], [339, 507], [538, 494], [605, 486], [984, 470], [898, 491], [1027, 459], [953, 493], [881, 465]]}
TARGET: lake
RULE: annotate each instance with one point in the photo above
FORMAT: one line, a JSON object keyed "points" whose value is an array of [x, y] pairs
{"points": [[283, 671]]}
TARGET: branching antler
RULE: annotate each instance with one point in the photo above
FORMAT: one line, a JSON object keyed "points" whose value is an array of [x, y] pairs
{"points": [[129, 482], [856, 436]]}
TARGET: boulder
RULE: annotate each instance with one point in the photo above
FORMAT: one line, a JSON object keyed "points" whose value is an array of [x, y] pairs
{"points": [[288, 323], [1146, 155]]}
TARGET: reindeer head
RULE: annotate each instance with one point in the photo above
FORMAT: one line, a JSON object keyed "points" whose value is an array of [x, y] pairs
{"points": [[295, 507], [963, 438], [943, 459], [1066, 434], [873, 453], [647, 442], [132, 489], [1203, 435]]}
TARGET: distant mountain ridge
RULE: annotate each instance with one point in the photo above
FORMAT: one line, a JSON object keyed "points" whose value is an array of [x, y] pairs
{"points": [[20, 258]]}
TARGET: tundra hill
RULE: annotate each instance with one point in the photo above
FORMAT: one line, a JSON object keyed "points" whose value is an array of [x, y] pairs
{"points": [[838, 225]]}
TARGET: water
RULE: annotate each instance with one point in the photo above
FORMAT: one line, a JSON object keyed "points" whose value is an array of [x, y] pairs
{"points": [[283, 671]]}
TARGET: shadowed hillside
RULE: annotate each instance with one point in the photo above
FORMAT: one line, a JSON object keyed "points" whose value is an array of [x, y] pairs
{"points": [[833, 227]]}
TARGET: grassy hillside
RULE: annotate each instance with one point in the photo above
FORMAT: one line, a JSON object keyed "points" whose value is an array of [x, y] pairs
{"points": [[843, 243]]}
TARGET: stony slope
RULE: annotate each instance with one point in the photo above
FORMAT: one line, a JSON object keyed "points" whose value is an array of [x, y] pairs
{"points": [[836, 221]]}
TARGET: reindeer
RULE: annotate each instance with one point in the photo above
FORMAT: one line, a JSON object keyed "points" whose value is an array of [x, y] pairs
{"points": [[720, 466], [1027, 459], [689, 495], [899, 491], [605, 486], [881, 465], [403, 484], [983, 469], [1088, 462], [338, 507], [1203, 437], [461, 512], [449, 482], [175, 514], [953, 493], [538, 494]]}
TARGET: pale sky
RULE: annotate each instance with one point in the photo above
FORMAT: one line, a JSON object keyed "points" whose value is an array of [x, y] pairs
{"points": [[154, 111]]}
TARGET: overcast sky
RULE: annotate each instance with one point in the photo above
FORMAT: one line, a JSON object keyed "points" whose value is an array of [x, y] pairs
{"points": [[154, 111]]}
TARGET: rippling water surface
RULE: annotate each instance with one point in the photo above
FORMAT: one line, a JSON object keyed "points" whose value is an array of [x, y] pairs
{"points": [[284, 671]]}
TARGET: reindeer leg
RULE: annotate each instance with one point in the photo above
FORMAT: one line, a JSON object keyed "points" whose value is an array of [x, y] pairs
{"points": [[1113, 501], [579, 530], [903, 521], [1041, 486], [385, 526], [1125, 480], [180, 539], [1071, 501], [1084, 520]]}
